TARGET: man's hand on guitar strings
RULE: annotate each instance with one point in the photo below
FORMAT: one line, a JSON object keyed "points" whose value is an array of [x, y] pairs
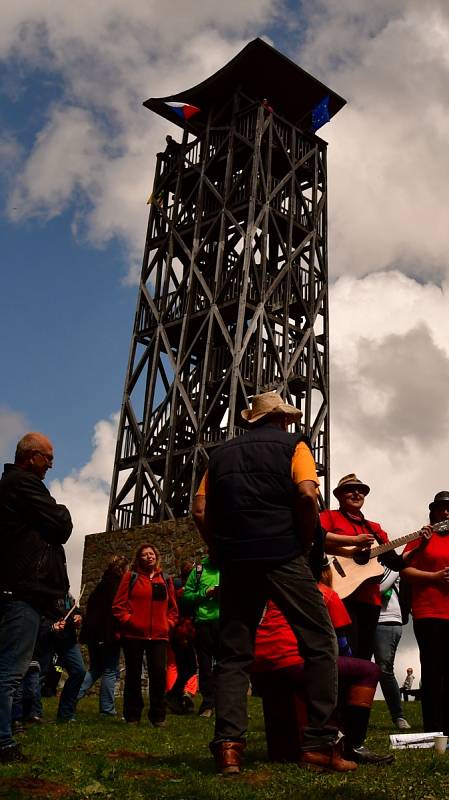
{"points": [[425, 534], [363, 541]]}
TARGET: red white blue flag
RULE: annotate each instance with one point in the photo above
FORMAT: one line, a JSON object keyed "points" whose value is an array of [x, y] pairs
{"points": [[183, 110]]}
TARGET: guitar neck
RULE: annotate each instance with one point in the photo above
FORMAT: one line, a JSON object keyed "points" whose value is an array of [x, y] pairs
{"points": [[385, 548]]}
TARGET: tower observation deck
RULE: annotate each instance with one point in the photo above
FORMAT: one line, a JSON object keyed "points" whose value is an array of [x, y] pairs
{"points": [[233, 296]]}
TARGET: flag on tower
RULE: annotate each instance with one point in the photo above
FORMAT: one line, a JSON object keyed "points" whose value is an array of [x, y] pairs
{"points": [[320, 114], [183, 110]]}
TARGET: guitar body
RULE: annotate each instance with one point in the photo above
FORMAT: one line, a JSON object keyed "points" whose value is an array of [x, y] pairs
{"points": [[347, 575]]}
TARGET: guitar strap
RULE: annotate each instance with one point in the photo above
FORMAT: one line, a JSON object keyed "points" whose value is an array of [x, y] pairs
{"points": [[373, 532], [363, 522]]}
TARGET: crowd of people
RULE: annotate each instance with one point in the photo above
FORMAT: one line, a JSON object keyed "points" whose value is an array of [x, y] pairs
{"points": [[259, 610]]}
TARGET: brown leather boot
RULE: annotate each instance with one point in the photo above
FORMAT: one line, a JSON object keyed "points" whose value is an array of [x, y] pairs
{"points": [[228, 756], [329, 759]]}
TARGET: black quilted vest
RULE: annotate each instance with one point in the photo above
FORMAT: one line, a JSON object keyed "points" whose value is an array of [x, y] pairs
{"points": [[250, 497]]}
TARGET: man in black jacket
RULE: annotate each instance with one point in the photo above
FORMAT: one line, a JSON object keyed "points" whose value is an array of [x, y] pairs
{"points": [[256, 508], [33, 575]]}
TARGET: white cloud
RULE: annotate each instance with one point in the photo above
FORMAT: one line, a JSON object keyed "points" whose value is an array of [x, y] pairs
{"points": [[13, 425], [389, 377], [65, 159], [10, 151], [389, 411], [388, 160], [85, 492], [96, 150]]}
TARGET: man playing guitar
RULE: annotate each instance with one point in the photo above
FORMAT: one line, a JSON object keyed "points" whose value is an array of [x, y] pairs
{"points": [[345, 528]]}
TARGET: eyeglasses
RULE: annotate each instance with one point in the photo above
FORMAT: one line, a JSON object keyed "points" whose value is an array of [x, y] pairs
{"points": [[49, 459]]}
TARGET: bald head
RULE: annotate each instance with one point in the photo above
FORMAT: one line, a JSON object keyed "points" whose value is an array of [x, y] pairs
{"points": [[34, 453]]}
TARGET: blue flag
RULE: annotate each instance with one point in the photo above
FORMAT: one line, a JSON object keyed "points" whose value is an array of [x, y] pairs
{"points": [[320, 114]]}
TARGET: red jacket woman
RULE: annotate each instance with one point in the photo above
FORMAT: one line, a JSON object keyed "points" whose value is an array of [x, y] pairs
{"points": [[146, 610]]}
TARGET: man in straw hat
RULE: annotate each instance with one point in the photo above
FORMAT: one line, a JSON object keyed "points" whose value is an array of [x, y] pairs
{"points": [[348, 527], [257, 507]]}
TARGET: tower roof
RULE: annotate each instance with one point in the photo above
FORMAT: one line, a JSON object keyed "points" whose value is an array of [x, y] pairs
{"points": [[259, 71]]}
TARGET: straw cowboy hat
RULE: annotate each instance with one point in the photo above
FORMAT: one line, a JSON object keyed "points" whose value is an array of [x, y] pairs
{"points": [[269, 403], [351, 480]]}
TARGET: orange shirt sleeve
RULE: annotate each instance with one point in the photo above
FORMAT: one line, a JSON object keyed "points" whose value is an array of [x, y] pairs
{"points": [[202, 488], [303, 465]]}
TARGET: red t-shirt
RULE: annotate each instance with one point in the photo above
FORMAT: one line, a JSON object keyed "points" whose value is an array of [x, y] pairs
{"points": [[276, 644], [336, 522], [430, 599]]}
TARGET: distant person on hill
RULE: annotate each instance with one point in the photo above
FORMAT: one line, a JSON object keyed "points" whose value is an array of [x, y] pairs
{"points": [[407, 686]]}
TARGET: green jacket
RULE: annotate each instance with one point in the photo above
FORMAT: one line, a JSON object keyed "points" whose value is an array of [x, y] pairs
{"points": [[205, 609]]}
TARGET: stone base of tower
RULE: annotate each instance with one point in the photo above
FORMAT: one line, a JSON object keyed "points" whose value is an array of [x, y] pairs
{"points": [[177, 540]]}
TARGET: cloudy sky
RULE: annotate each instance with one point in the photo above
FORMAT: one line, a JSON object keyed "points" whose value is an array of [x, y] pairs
{"points": [[76, 163]]}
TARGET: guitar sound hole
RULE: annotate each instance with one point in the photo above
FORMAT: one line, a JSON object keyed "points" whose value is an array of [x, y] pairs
{"points": [[362, 557]]}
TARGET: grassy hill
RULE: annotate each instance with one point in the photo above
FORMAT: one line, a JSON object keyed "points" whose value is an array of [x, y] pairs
{"points": [[97, 758]]}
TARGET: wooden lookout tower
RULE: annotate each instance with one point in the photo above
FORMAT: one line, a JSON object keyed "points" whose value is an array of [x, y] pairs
{"points": [[233, 296]]}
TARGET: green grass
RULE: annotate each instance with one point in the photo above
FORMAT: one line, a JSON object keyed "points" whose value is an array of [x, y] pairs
{"points": [[96, 758]]}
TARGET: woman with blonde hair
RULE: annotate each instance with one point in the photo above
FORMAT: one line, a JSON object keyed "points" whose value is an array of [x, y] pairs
{"points": [[145, 607]]}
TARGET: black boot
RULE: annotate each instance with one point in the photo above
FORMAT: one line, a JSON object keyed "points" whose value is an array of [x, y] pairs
{"points": [[356, 720]]}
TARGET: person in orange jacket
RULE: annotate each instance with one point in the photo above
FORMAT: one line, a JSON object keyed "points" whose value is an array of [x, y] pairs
{"points": [[146, 610]]}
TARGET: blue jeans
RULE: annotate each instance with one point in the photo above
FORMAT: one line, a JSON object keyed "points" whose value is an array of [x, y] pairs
{"points": [[386, 640], [71, 659], [19, 626], [103, 662], [27, 697]]}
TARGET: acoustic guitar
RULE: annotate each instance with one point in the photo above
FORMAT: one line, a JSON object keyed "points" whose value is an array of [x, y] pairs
{"points": [[358, 566]]}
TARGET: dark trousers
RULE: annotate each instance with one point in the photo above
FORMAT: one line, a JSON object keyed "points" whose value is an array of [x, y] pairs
{"points": [[361, 634], [432, 636], [186, 666], [244, 590], [156, 656], [407, 693], [207, 635]]}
